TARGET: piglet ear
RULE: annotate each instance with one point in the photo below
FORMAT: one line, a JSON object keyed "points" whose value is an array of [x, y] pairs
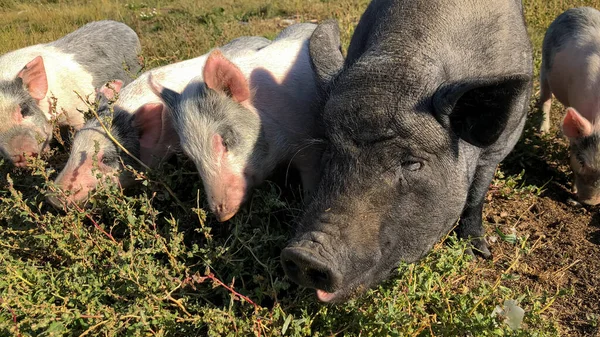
{"points": [[149, 119], [34, 78], [574, 125], [110, 89], [222, 75], [157, 134], [105, 94]]}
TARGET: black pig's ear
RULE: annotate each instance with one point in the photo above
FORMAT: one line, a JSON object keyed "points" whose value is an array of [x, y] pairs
{"points": [[168, 96], [326, 52], [478, 110]]}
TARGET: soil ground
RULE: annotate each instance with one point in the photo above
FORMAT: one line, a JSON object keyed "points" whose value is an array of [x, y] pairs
{"points": [[563, 236]]}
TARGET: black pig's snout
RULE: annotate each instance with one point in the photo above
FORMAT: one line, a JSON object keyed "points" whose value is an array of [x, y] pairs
{"points": [[308, 269]]}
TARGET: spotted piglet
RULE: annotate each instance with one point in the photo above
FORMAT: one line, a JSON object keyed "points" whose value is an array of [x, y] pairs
{"points": [[571, 71], [139, 121], [247, 114], [40, 83]]}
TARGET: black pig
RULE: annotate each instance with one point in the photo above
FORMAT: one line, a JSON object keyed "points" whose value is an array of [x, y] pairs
{"points": [[431, 97]]}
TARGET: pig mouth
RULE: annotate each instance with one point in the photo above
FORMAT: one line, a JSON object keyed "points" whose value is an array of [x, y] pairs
{"points": [[29, 148], [355, 288], [20, 160], [326, 297], [338, 296], [224, 216], [227, 209], [585, 195]]}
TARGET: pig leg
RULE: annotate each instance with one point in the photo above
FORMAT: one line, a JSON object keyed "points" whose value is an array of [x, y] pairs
{"points": [[470, 225], [545, 102]]}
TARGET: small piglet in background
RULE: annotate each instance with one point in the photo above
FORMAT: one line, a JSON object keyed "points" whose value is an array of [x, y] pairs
{"points": [[571, 71], [247, 114], [39, 83], [140, 122]]}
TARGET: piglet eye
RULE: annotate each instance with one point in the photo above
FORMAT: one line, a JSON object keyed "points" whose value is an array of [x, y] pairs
{"points": [[25, 111], [411, 165], [110, 160], [225, 144]]}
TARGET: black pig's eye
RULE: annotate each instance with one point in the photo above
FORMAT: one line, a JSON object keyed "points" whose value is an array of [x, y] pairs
{"points": [[411, 165], [580, 159]]}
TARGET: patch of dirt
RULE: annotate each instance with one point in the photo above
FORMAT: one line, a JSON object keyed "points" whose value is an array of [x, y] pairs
{"points": [[564, 255], [563, 239]]}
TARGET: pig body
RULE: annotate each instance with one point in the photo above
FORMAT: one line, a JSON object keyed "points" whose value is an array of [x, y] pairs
{"points": [[247, 114], [571, 71], [177, 75], [431, 97], [140, 122], [37, 81]]}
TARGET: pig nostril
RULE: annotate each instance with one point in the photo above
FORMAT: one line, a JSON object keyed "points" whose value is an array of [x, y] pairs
{"points": [[291, 266], [305, 267], [319, 277]]}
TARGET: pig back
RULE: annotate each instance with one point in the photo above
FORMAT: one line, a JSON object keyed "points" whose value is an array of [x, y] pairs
{"points": [[284, 85], [108, 50], [177, 76], [425, 45], [12, 62], [242, 45], [299, 31], [578, 25], [462, 38]]}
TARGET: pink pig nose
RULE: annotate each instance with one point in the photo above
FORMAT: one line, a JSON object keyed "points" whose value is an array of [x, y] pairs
{"points": [[20, 160], [60, 199], [223, 213], [54, 201]]}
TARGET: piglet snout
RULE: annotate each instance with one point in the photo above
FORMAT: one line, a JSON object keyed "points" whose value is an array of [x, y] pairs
{"points": [[21, 147], [54, 201], [61, 199], [224, 213], [20, 160]]}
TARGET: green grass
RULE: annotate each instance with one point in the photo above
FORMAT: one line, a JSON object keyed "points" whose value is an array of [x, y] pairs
{"points": [[126, 268], [138, 263]]}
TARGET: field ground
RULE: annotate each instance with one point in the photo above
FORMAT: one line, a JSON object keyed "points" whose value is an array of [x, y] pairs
{"points": [[141, 263]]}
